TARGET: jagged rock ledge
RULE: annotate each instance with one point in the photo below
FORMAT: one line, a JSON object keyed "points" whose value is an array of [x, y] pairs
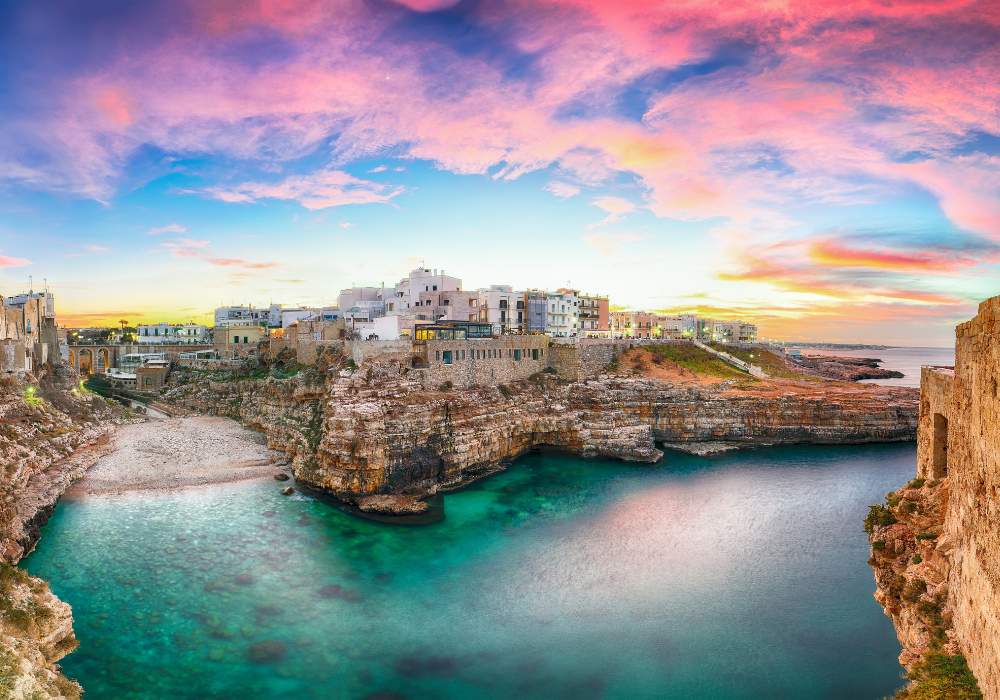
{"points": [[375, 432], [51, 432]]}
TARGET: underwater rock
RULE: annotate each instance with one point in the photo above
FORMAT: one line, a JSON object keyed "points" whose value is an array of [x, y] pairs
{"points": [[267, 652]]}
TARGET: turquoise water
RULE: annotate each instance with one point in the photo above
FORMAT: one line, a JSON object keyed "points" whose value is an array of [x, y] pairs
{"points": [[736, 577]]}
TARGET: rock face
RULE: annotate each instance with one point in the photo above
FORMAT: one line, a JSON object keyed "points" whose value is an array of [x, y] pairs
{"points": [[936, 543], [51, 431], [375, 431], [848, 369], [36, 630]]}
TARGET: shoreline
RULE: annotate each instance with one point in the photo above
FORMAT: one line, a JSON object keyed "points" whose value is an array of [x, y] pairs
{"points": [[166, 455]]}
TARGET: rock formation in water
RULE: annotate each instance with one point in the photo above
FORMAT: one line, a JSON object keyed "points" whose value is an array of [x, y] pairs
{"points": [[936, 541], [375, 432], [847, 369], [51, 431]]}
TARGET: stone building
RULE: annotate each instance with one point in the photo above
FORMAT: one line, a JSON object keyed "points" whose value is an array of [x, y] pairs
{"points": [[28, 334], [958, 443]]}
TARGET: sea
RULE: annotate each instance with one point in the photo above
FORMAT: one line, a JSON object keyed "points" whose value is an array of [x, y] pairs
{"points": [[902, 359], [737, 576]]}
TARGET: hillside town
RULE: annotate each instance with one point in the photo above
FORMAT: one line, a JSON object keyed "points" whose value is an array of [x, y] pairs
{"points": [[426, 305]]}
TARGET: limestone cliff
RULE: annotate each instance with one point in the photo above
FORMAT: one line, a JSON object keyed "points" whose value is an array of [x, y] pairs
{"points": [[51, 430], [936, 542], [376, 431], [36, 630]]}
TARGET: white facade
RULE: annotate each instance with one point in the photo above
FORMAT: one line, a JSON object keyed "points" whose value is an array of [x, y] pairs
{"points": [[382, 328], [172, 334], [290, 316], [227, 316], [501, 306], [406, 294], [562, 318]]}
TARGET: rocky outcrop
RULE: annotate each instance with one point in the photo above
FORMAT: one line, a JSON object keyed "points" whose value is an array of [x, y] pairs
{"points": [[51, 431], [36, 630], [847, 369], [375, 431], [936, 542]]}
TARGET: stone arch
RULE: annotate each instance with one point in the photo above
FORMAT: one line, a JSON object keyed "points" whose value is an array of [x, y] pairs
{"points": [[72, 358], [86, 361], [103, 360]]}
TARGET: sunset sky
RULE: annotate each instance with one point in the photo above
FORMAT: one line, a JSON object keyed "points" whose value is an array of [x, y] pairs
{"points": [[828, 169]]}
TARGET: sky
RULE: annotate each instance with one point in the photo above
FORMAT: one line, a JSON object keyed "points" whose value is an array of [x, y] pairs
{"points": [[830, 170]]}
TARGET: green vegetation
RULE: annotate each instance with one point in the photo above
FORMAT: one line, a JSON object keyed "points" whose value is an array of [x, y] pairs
{"points": [[878, 545], [8, 672], [914, 589], [21, 617], [909, 507], [878, 515], [774, 365], [32, 398], [694, 360], [927, 536], [915, 483], [941, 677], [917, 559]]}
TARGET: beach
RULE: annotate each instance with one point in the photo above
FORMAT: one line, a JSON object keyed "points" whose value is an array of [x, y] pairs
{"points": [[176, 453]]}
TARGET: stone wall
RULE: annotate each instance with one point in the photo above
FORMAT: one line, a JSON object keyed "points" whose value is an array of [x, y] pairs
{"points": [[363, 350], [936, 384], [484, 361], [972, 521], [936, 553]]}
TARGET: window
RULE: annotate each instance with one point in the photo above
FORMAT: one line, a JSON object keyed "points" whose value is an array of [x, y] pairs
{"points": [[534, 354], [447, 357], [517, 355], [246, 339], [435, 287]]}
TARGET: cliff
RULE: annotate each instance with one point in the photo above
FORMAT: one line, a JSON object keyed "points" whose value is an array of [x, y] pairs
{"points": [[51, 430], [375, 431], [936, 542], [36, 630]]}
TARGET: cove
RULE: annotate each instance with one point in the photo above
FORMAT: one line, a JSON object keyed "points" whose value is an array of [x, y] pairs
{"points": [[740, 576]]}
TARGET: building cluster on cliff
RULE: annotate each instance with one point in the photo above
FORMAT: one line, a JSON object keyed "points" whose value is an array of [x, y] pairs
{"points": [[28, 333], [427, 296]]}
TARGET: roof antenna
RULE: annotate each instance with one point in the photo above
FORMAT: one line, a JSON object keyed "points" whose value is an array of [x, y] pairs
{"points": [[31, 284]]}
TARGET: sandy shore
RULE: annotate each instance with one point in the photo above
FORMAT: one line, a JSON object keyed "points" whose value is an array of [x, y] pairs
{"points": [[178, 452]]}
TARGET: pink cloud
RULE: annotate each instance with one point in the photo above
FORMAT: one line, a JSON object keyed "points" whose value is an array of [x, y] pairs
{"points": [[318, 191], [9, 261], [816, 80]]}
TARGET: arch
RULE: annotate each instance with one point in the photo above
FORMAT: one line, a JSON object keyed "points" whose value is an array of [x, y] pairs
{"points": [[103, 359], [72, 358], [86, 361]]}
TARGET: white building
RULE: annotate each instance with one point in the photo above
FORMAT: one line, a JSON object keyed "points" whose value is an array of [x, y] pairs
{"points": [[406, 294], [226, 316], [172, 334], [562, 318], [501, 306]]}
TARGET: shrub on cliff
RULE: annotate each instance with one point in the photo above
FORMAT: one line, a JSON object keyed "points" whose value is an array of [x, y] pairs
{"points": [[941, 677], [878, 515]]}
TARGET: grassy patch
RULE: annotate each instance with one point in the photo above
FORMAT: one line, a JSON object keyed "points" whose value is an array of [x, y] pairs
{"points": [[878, 515], [695, 360], [766, 360], [941, 677]]}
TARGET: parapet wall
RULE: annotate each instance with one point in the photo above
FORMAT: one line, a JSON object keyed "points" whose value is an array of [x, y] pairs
{"points": [[484, 361], [972, 522]]}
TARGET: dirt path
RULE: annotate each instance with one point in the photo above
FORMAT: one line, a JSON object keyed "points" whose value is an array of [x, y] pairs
{"points": [[178, 452]]}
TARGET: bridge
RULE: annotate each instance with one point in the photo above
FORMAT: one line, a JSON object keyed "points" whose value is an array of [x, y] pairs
{"points": [[91, 359]]}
